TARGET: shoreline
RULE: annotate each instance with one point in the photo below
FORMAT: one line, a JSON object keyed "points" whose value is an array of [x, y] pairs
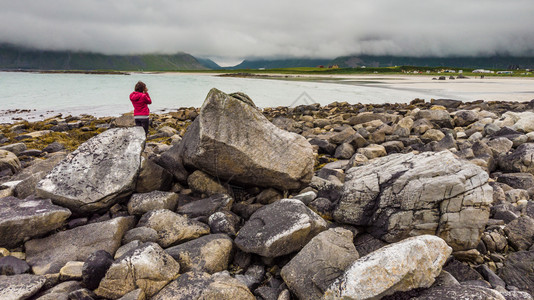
{"points": [[509, 89]]}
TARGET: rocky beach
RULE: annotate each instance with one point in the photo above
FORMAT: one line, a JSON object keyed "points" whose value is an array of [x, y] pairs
{"points": [[425, 200]]}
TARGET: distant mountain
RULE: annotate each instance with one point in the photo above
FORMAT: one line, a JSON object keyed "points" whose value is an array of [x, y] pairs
{"points": [[208, 63], [492, 62], [280, 63], [18, 58]]}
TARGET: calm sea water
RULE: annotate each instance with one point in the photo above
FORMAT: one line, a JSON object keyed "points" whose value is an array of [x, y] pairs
{"points": [[107, 95]]}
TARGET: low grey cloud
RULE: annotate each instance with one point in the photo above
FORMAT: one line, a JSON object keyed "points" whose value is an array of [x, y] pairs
{"points": [[230, 30]]}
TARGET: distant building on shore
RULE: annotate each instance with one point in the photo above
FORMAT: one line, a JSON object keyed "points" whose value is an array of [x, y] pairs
{"points": [[483, 71]]}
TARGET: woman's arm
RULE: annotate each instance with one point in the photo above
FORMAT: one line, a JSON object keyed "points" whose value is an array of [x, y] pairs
{"points": [[147, 98]]}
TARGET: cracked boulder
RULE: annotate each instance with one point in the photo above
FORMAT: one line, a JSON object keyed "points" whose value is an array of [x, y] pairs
{"points": [[412, 263], [23, 219], [148, 267], [319, 263], [280, 228], [232, 141], [405, 195], [98, 174]]}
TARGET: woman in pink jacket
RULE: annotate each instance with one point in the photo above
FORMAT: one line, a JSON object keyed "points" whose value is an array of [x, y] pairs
{"points": [[140, 100]]}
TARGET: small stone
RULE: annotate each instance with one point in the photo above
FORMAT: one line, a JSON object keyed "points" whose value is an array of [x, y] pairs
{"points": [[10, 265], [71, 271]]}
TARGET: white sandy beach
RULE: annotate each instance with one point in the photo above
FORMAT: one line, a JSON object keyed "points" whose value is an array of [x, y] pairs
{"points": [[519, 89], [489, 88]]}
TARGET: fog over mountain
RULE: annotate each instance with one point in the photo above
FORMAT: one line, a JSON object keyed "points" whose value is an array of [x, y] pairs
{"points": [[230, 31]]}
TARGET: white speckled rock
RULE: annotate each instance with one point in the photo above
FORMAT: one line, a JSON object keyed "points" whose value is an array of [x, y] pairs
{"points": [[412, 263], [98, 173], [279, 228]]}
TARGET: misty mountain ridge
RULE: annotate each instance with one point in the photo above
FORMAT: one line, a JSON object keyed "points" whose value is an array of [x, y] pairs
{"points": [[20, 58], [280, 63]]}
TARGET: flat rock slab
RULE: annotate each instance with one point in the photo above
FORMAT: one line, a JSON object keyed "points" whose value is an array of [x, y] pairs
{"points": [[48, 255], [280, 228], [405, 195], [20, 219], [20, 286], [233, 141], [412, 263], [98, 173]]}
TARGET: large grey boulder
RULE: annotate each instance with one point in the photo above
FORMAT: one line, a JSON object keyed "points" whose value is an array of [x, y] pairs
{"points": [[24, 219], [198, 285], [148, 267], [518, 270], [412, 263], [48, 255], [403, 195], [172, 228], [20, 286], [520, 160], [97, 174], [280, 228], [209, 253], [319, 263], [233, 141]]}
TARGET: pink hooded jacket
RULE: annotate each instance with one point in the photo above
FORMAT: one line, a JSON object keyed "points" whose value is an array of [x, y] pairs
{"points": [[140, 103]]}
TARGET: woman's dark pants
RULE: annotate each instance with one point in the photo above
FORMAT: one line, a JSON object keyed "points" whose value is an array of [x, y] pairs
{"points": [[142, 122]]}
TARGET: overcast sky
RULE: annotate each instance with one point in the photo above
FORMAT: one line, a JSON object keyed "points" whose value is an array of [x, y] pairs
{"points": [[231, 30]]}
